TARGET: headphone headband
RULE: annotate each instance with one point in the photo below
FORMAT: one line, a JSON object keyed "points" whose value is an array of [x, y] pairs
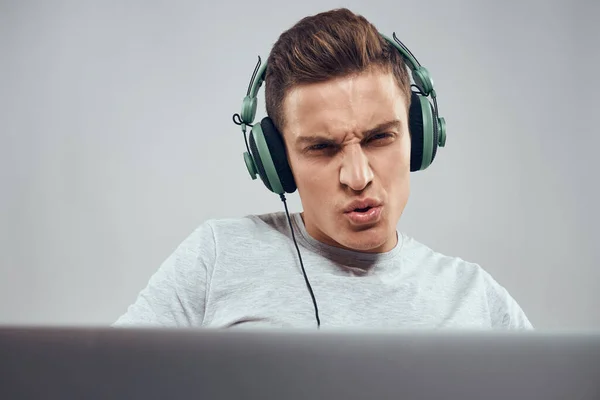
{"points": [[412, 62], [258, 80], [420, 77], [408, 56]]}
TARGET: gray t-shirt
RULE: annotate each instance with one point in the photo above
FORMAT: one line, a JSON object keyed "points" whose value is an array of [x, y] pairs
{"points": [[245, 272]]}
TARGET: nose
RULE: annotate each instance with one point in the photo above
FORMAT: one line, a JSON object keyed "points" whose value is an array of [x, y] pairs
{"points": [[355, 172]]}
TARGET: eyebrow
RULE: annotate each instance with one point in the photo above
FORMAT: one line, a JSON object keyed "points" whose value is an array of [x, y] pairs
{"points": [[396, 123]]}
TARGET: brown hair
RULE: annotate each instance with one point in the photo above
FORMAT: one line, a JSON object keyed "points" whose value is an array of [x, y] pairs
{"points": [[328, 45]]}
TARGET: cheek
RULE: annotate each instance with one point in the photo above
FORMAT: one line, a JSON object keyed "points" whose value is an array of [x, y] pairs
{"points": [[403, 157], [393, 173], [312, 181], [405, 151], [320, 182], [394, 165]]}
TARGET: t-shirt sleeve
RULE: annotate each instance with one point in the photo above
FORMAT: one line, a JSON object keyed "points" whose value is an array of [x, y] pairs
{"points": [[505, 312], [175, 295]]}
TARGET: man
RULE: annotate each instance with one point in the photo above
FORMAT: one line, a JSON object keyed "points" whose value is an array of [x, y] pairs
{"points": [[339, 96]]}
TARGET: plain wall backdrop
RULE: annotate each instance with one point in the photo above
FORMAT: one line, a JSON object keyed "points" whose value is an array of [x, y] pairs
{"points": [[117, 140]]}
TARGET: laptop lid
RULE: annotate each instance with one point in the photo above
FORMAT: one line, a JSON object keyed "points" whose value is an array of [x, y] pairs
{"points": [[109, 363]]}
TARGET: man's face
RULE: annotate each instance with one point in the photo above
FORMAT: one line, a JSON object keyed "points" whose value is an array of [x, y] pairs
{"points": [[347, 139]]}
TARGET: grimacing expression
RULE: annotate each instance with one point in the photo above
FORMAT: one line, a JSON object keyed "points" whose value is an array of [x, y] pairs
{"points": [[348, 139]]}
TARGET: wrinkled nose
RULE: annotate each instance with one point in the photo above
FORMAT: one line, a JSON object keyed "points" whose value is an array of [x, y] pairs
{"points": [[355, 172]]}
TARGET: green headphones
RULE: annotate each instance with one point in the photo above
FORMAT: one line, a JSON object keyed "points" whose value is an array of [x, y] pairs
{"points": [[266, 155]]}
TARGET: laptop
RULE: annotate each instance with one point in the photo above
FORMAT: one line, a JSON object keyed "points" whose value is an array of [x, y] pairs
{"points": [[153, 363]]}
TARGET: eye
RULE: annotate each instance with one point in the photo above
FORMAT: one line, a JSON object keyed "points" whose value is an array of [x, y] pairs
{"points": [[379, 137], [320, 147]]}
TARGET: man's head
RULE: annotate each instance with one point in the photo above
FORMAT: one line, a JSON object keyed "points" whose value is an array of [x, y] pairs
{"points": [[339, 94]]}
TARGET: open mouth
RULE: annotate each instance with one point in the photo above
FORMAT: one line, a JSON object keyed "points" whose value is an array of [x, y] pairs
{"points": [[365, 215]]}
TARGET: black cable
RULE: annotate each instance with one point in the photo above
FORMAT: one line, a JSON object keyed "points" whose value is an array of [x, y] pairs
{"points": [[312, 295], [253, 77], [240, 122], [239, 119], [406, 48]]}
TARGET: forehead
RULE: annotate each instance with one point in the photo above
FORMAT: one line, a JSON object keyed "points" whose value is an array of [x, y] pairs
{"points": [[345, 105]]}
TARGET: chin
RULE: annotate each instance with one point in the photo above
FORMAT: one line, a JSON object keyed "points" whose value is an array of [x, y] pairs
{"points": [[364, 240]]}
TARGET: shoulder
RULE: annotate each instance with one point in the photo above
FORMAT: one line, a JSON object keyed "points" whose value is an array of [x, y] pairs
{"points": [[198, 253], [249, 225], [505, 312], [419, 256], [463, 277], [217, 235]]}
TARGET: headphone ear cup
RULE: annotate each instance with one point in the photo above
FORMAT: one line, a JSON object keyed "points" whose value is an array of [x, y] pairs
{"points": [[423, 131], [258, 157], [278, 154], [415, 123]]}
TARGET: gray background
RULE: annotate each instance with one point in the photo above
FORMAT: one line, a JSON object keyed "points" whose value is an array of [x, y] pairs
{"points": [[116, 141]]}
